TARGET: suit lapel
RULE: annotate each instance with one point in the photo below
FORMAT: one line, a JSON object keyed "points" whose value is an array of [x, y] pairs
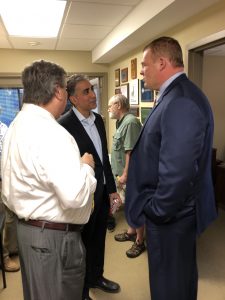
{"points": [[146, 120], [82, 133], [99, 128]]}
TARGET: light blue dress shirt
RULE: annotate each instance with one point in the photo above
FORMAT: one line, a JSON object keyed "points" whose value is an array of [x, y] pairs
{"points": [[90, 128], [167, 83]]}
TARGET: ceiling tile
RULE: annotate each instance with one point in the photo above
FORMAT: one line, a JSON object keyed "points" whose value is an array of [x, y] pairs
{"points": [[2, 29], [77, 44], [85, 31], [113, 2], [4, 43], [23, 43], [96, 14]]}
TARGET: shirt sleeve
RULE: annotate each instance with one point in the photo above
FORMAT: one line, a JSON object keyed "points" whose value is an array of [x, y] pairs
{"points": [[132, 133]]}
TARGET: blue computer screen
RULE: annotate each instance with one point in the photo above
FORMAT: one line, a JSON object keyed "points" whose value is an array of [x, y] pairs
{"points": [[10, 102]]}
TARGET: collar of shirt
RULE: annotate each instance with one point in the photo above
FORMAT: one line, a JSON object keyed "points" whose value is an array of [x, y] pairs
{"points": [[28, 107], [86, 121], [90, 128], [119, 122], [167, 83]]}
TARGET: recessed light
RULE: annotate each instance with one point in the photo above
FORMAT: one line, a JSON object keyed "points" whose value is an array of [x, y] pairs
{"points": [[33, 43]]}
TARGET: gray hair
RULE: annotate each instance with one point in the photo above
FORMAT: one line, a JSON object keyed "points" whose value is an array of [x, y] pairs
{"points": [[122, 100], [40, 80], [73, 81]]}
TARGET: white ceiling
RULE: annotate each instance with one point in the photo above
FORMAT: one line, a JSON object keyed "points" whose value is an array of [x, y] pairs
{"points": [[110, 28]]}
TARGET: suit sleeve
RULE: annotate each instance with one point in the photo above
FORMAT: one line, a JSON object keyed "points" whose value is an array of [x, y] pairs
{"points": [[183, 128]]}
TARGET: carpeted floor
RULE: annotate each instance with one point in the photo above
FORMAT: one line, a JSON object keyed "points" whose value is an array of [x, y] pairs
{"points": [[132, 274]]}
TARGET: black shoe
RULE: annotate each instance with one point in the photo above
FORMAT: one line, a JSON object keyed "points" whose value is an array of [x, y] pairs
{"points": [[85, 295], [106, 285], [111, 223]]}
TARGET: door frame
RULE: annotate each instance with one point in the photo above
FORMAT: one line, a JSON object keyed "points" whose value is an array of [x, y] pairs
{"points": [[195, 55]]}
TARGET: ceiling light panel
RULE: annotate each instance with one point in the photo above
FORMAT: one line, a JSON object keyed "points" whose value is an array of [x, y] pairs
{"points": [[32, 18]]}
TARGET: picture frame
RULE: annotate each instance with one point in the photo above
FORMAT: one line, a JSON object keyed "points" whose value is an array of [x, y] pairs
{"points": [[146, 95], [124, 75], [134, 68], [133, 92], [145, 111], [117, 91], [134, 109], [124, 90], [117, 77]]}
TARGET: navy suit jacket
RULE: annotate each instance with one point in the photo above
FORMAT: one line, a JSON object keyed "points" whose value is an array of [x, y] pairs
{"points": [[169, 173], [72, 124]]}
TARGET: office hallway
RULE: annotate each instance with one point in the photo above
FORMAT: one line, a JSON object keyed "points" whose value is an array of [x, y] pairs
{"points": [[132, 274]]}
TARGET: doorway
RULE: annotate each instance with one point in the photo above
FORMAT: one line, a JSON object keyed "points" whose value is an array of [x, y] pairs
{"points": [[206, 68]]}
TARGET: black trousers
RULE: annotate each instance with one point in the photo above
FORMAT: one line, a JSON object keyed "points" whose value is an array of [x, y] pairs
{"points": [[93, 236], [172, 259]]}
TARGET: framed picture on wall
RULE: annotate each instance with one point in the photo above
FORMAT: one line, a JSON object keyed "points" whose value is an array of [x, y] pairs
{"points": [[124, 75], [145, 111], [134, 68], [117, 77], [133, 92], [146, 95], [117, 91], [124, 89]]}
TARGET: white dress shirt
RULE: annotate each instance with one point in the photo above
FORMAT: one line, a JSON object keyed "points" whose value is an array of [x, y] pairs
{"points": [[43, 176]]}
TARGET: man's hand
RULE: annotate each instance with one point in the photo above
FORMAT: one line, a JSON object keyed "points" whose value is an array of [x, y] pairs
{"points": [[121, 180], [88, 159], [113, 197]]}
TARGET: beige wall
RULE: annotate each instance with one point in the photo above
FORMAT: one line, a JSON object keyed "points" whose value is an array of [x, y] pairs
{"points": [[13, 61], [214, 87], [206, 23]]}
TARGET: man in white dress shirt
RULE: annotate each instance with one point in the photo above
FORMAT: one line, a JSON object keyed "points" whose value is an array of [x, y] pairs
{"points": [[49, 187]]}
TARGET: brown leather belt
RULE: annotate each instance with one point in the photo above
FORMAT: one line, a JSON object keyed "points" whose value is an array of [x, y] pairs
{"points": [[54, 226]]}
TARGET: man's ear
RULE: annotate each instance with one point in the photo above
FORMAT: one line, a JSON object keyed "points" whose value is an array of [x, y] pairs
{"points": [[58, 93], [73, 100], [162, 63]]}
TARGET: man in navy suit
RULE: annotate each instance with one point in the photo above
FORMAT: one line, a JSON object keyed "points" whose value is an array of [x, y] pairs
{"points": [[169, 185], [88, 130]]}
